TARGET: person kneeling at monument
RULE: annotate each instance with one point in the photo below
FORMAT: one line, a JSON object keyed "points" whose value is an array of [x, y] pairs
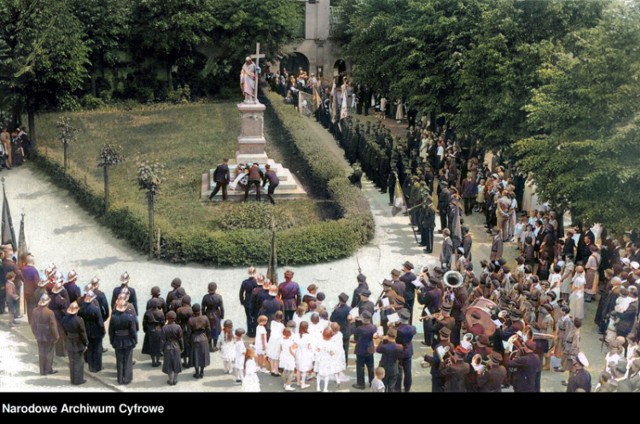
{"points": [[255, 177], [271, 177]]}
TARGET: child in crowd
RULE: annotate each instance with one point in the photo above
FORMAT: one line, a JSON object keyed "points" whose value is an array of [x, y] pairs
{"points": [[325, 357], [340, 359], [250, 382], [240, 351], [287, 358], [304, 354], [273, 346], [227, 347], [261, 342], [377, 386]]}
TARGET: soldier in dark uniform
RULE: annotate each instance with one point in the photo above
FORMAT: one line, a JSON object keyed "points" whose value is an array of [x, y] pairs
{"points": [[457, 312], [94, 325], [37, 294], [45, 329], [405, 332], [123, 337], [365, 304], [173, 347], [340, 315], [77, 342], [72, 289], [213, 309], [491, 378], [444, 198], [356, 176], [152, 324], [199, 333], [439, 352], [183, 314], [258, 296], [133, 300], [427, 220], [246, 289], [429, 296], [527, 366], [155, 294], [390, 352], [101, 298], [364, 349], [579, 377], [409, 289], [59, 306], [362, 286]]}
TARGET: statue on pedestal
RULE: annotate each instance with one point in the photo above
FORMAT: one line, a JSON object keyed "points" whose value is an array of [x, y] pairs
{"points": [[249, 80]]}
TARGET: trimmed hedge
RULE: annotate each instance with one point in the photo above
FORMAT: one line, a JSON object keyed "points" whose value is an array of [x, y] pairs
{"points": [[318, 242]]}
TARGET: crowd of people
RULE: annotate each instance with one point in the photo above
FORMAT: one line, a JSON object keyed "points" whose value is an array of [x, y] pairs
{"points": [[15, 147]]}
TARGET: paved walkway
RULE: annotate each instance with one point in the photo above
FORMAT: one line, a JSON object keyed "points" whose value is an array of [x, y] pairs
{"points": [[59, 231]]}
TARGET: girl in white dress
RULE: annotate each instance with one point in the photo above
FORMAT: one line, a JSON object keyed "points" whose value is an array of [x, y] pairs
{"points": [[287, 358], [339, 359], [240, 351], [227, 347], [304, 354], [325, 357], [250, 382], [576, 298], [261, 342], [273, 346]]}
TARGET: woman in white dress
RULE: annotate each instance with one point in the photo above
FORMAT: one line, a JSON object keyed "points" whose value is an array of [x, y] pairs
{"points": [[304, 354], [250, 382], [576, 298], [273, 345], [325, 356], [287, 358]]}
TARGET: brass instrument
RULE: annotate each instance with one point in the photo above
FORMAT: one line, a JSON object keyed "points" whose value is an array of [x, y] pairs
{"points": [[453, 279], [480, 365]]}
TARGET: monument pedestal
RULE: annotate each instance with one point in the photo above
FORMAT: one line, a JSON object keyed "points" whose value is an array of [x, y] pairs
{"points": [[251, 143]]}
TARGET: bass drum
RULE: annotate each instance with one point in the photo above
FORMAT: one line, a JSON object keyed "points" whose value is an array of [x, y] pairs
{"points": [[478, 315]]}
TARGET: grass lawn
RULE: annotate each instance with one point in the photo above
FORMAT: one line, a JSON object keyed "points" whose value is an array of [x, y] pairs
{"points": [[189, 139]]}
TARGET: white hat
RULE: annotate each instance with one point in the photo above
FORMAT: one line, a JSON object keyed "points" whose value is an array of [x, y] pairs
{"points": [[625, 261], [582, 358], [635, 265], [560, 264]]}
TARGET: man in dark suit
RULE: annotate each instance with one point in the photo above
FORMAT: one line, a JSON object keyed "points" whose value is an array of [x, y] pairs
{"points": [[101, 298], [271, 177], [255, 178], [527, 368], [409, 289], [94, 324], [362, 286], [490, 380], [447, 249], [496, 245], [579, 378], [77, 342], [340, 315], [123, 337], [221, 177], [271, 305], [398, 285], [427, 225], [30, 278], [429, 296], [45, 329], [455, 373], [364, 350], [246, 288], [444, 198], [124, 280], [405, 333]]}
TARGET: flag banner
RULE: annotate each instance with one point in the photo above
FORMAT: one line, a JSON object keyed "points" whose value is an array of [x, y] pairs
{"points": [[8, 233], [399, 204]]}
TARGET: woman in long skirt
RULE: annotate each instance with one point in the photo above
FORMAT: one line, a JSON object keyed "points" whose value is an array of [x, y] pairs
{"points": [[576, 298], [173, 347], [199, 335], [152, 324], [213, 309]]}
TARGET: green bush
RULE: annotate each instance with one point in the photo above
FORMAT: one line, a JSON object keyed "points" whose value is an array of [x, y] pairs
{"points": [[238, 245], [89, 102]]}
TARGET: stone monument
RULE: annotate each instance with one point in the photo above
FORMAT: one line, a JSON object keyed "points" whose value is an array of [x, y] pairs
{"points": [[251, 142]]}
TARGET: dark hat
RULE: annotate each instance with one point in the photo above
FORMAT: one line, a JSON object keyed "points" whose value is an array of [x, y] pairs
{"points": [[186, 299], [361, 278], [515, 313], [404, 314], [446, 307], [395, 273], [483, 340], [444, 332], [212, 287], [366, 315], [196, 308], [343, 297], [392, 333], [365, 293], [434, 281], [155, 291], [438, 270], [176, 283], [171, 315], [408, 265], [387, 283], [496, 358]]}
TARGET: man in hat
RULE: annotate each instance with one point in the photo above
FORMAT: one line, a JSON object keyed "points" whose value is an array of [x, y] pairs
{"points": [[124, 282], [271, 177], [8, 264], [94, 325], [447, 249], [72, 289], [444, 198], [30, 278], [258, 297], [123, 337], [340, 315], [101, 298], [221, 177], [183, 314], [467, 242], [59, 305], [290, 295], [457, 312], [469, 193], [271, 305], [408, 277], [45, 329], [455, 370], [388, 303], [429, 296], [405, 333], [496, 245], [427, 219], [440, 351], [390, 352], [362, 286], [77, 342], [365, 304], [246, 288], [490, 378], [364, 349], [398, 285], [579, 377], [39, 291], [527, 369]]}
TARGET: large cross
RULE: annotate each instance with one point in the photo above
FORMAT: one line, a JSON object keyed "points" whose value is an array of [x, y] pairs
{"points": [[257, 58]]}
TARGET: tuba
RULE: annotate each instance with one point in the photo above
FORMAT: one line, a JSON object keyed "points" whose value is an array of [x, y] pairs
{"points": [[453, 279]]}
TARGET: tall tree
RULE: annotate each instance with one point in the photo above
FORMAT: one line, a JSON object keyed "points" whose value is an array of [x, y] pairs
{"points": [[110, 156], [44, 60], [67, 134], [150, 178]]}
